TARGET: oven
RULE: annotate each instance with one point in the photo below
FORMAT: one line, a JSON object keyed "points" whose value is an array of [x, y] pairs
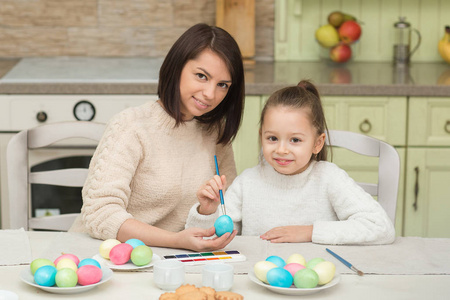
{"points": [[20, 112]]}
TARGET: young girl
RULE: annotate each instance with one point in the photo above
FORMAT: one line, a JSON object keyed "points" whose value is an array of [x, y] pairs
{"points": [[151, 160], [294, 194]]}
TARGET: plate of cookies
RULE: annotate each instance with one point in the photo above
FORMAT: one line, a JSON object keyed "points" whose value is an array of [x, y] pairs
{"points": [[191, 292]]}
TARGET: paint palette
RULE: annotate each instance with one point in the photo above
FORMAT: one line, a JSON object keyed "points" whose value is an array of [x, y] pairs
{"points": [[208, 257]]}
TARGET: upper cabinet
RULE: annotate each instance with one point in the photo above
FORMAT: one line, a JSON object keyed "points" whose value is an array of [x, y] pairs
{"points": [[297, 20]]}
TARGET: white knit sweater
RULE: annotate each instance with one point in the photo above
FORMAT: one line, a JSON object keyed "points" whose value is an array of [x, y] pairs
{"points": [[324, 196], [147, 169]]}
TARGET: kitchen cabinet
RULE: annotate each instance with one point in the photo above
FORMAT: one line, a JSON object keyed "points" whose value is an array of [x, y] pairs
{"points": [[427, 192], [381, 117]]}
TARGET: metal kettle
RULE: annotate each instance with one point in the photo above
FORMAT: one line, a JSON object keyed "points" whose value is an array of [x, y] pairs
{"points": [[402, 42]]}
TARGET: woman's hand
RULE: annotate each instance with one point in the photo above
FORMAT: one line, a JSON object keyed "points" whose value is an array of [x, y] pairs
{"points": [[194, 239], [208, 195], [289, 234]]}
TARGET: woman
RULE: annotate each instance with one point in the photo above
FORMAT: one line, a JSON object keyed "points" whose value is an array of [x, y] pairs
{"points": [[152, 159]]}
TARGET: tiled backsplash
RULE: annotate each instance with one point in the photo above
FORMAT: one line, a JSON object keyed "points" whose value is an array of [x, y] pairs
{"points": [[114, 28], [297, 20]]}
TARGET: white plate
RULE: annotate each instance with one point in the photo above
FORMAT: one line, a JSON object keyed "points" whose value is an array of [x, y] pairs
{"points": [[293, 290], [28, 278], [129, 266]]}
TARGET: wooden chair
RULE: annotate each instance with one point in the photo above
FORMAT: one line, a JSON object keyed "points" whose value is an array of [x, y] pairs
{"points": [[20, 176], [388, 165]]}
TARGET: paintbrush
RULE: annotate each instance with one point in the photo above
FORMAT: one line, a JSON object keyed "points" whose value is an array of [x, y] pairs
{"points": [[349, 265], [222, 202]]}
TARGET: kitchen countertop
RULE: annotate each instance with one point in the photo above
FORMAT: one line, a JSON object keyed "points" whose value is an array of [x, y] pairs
{"points": [[88, 75]]}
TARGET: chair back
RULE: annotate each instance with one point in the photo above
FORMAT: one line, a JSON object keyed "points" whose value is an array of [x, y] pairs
{"points": [[388, 165], [20, 176]]}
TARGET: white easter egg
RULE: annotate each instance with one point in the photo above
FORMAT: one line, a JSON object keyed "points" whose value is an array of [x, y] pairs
{"points": [[261, 268]]}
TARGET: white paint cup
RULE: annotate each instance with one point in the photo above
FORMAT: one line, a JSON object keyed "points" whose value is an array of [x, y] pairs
{"points": [[168, 274], [218, 276]]}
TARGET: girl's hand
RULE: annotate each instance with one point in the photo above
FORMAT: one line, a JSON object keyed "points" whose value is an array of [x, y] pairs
{"points": [[208, 194], [289, 234], [194, 239]]}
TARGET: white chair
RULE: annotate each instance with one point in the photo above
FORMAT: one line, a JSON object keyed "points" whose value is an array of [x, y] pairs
{"points": [[20, 177], [388, 165]]}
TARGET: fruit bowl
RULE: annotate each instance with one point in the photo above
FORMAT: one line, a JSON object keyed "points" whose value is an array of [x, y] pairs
{"points": [[338, 37]]}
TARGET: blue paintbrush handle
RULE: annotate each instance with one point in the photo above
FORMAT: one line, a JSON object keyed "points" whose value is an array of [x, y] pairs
{"points": [[339, 258], [218, 174]]}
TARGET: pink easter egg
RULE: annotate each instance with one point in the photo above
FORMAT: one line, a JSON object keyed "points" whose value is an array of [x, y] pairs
{"points": [[121, 253], [293, 268], [89, 274], [73, 257]]}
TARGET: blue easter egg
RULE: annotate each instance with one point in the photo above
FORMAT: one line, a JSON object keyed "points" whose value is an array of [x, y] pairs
{"points": [[279, 277], [135, 242], [45, 275], [276, 260], [89, 261], [223, 224]]}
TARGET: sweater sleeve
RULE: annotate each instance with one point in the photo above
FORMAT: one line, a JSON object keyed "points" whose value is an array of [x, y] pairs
{"points": [[107, 188], [362, 220]]}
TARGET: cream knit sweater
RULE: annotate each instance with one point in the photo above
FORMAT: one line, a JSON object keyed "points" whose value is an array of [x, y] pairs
{"points": [[147, 169], [323, 196]]}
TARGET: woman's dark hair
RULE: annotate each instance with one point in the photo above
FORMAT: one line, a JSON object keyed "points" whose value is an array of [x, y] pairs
{"points": [[304, 95], [227, 116]]}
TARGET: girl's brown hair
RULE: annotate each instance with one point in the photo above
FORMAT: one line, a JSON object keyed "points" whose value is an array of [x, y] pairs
{"points": [[304, 95], [227, 116]]}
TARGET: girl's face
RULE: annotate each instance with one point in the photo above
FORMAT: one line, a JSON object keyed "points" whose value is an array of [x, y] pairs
{"points": [[204, 83], [288, 139]]}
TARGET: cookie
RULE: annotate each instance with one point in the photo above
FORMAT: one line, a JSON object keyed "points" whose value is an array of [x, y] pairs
{"points": [[185, 289], [168, 296], [228, 296], [208, 291], [194, 295]]}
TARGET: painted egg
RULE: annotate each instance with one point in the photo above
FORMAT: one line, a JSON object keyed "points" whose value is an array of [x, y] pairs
{"points": [[325, 270], [306, 278], [89, 261], [45, 275], [66, 263], [40, 262], [89, 274], [296, 258], [73, 257], [66, 278], [276, 260], [120, 254], [106, 246], [135, 243], [279, 277], [313, 262], [293, 268], [141, 255], [223, 224], [261, 268]]}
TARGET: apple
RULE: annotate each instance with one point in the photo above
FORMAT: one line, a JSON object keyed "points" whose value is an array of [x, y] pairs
{"points": [[340, 75], [327, 36], [349, 32], [66, 278], [341, 53]]}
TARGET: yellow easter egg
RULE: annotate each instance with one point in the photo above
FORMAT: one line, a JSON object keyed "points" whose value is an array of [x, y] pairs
{"points": [[296, 258], [261, 268], [326, 271], [66, 263], [106, 246]]}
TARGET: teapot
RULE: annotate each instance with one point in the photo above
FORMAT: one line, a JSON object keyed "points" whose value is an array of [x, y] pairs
{"points": [[402, 41]]}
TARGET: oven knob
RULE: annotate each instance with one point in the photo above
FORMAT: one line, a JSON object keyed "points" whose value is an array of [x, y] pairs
{"points": [[41, 116]]}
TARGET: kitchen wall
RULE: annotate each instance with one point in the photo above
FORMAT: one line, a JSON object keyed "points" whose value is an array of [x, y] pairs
{"points": [[297, 20], [121, 28]]}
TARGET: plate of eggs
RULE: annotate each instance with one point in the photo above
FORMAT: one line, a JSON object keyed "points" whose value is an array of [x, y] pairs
{"points": [[128, 256], [295, 276], [66, 274]]}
